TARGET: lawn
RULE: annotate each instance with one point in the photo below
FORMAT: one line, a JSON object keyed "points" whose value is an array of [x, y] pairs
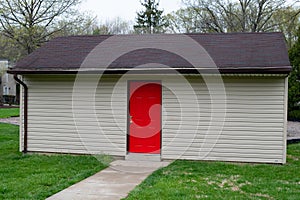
{"points": [[218, 180], [9, 112], [38, 176]]}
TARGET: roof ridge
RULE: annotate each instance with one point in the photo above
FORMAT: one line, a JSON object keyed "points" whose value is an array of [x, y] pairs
{"points": [[169, 34]]}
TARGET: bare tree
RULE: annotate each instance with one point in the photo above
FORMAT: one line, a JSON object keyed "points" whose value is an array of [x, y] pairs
{"points": [[114, 26], [83, 24], [238, 15], [290, 26], [184, 20], [30, 22], [10, 49]]}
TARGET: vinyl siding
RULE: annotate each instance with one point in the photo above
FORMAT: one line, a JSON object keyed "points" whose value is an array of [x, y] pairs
{"points": [[253, 129], [65, 121]]}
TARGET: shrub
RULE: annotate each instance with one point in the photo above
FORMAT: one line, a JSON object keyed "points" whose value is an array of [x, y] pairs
{"points": [[294, 115]]}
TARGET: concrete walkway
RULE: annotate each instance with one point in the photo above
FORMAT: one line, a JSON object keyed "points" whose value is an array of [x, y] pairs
{"points": [[11, 120], [112, 183]]}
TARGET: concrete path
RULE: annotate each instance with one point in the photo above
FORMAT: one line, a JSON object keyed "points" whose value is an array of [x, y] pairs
{"points": [[293, 130], [112, 183], [11, 120]]}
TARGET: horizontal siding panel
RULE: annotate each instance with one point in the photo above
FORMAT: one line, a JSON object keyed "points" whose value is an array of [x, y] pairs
{"points": [[226, 150], [64, 136], [229, 110], [66, 100], [232, 81], [174, 123], [89, 106], [77, 142], [226, 159], [59, 149], [78, 145], [72, 121], [176, 120], [114, 130], [220, 93], [258, 135], [232, 155], [76, 111], [206, 116], [227, 107], [73, 104], [79, 96], [227, 83], [57, 77], [227, 124], [187, 129], [196, 88], [225, 141], [228, 102], [216, 94], [79, 110], [218, 138], [208, 98], [76, 93], [77, 116]]}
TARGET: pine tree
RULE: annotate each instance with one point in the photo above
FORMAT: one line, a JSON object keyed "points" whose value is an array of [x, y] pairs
{"points": [[150, 20]]}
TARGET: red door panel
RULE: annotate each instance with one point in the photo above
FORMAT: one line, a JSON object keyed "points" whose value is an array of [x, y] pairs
{"points": [[145, 117]]}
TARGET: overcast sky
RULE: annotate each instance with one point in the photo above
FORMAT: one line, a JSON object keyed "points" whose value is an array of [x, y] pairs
{"points": [[126, 9]]}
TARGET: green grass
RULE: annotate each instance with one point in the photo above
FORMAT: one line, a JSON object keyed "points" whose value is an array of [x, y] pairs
{"points": [[9, 112], [38, 176], [218, 180]]}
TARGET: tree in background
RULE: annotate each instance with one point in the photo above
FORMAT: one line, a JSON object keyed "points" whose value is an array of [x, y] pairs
{"points": [[151, 19], [234, 15], [294, 81], [184, 20], [114, 26], [287, 21], [82, 24], [10, 49], [31, 22]]}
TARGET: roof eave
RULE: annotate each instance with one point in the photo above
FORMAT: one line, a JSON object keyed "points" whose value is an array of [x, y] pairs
{"points": [[225, 70]]}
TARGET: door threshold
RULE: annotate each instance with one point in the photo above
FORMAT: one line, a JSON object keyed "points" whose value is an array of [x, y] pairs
{"points": [[143, 157]]}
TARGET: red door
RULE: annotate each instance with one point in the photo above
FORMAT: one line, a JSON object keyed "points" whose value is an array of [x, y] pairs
{"points": [[144, 117]]}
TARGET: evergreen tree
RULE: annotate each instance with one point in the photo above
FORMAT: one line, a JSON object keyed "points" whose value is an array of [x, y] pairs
{"points": [[151, 19]]}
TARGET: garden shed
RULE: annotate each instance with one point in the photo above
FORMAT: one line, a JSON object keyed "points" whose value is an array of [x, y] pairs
{"points": [[170, 96]]}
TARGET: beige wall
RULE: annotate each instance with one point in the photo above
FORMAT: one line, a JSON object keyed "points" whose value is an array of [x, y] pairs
{"points": [[65, 119]]}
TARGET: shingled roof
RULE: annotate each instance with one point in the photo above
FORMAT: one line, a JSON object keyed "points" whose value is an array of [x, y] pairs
{"points": [[231, 53]]}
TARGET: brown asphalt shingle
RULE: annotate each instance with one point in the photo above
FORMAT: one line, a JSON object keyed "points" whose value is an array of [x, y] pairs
{"points": [[232, 53]]}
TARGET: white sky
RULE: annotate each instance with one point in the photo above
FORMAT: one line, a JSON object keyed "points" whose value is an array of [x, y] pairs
{"points": [[126, 9]]}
